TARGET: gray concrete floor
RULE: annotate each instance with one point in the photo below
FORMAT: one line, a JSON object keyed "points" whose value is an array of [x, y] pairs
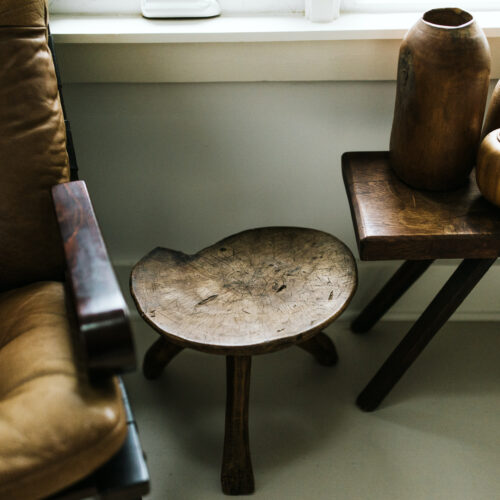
{"points": [[437, 435]]}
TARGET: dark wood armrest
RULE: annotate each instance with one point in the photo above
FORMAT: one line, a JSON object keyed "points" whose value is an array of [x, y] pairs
{"points": [[101, 312]]}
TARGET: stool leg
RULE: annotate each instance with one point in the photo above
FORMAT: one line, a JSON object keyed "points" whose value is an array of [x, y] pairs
{"points": [[453, 293], [401, 281], [237, 474], [158, 357], [322, 348]]}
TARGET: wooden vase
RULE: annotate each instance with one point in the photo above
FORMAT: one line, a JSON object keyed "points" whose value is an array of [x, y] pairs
{"points": [[442, 86], [488, 167], [492, 120]]}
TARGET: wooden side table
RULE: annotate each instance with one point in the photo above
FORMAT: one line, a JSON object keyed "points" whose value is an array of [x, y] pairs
{"points": [[252, 293], [393, 221]]}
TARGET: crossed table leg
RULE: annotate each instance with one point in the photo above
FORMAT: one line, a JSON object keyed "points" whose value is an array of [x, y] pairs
{"points": [[451, 295]]}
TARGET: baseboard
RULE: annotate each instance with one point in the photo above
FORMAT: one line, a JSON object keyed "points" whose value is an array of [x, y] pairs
{"points": [[481, 305]]}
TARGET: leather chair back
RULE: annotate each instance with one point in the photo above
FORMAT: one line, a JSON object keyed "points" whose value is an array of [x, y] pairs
{"points": [[33, 154]]}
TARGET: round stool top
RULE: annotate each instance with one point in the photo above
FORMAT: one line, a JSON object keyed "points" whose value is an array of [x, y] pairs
{"points": [[253, 292]]}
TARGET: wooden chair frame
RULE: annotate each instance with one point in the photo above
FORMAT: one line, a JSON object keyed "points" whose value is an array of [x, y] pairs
{"points": [[101, 325]]}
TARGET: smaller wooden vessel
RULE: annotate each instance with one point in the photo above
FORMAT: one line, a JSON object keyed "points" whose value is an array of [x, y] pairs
{"points": [[488, 167], [492, 120]]}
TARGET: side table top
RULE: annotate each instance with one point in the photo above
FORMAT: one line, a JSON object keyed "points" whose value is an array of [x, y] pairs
{"points": [[251, 293], [393, 221]]}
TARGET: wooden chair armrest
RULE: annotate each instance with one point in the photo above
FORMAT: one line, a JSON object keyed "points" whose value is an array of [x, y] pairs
{"points": [[101, 313]]}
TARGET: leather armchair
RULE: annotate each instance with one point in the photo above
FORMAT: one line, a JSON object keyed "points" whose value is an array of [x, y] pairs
{"points": [[65, 424]]}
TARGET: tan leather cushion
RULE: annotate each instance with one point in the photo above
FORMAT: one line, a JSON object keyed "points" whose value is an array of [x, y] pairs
{"points": [[32, 150], [22, 13], [55, 428]]}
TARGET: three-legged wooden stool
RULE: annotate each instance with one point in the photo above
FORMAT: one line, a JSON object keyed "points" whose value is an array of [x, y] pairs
{"points": [[252, 293]]}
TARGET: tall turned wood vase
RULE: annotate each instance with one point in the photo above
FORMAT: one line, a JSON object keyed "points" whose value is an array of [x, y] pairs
{"points": [[442, 86]]}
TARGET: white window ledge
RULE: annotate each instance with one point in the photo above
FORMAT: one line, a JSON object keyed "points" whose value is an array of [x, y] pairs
{"points": [[243, 48]]}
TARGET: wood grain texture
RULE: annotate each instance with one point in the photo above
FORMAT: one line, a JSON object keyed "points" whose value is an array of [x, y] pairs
{"points": [[254, 292], [394, 221], [101, 312], [442, 86], [453, 293], [237, 473]]}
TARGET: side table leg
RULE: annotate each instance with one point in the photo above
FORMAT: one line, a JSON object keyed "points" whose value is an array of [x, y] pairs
{"points": [[158, 356], [453, 293], [401, 281], [237, 474], [322, 348]]}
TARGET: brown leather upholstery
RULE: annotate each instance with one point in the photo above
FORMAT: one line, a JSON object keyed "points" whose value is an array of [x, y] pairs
{"points": [[55, 428], [32, 147], [23, 13]]}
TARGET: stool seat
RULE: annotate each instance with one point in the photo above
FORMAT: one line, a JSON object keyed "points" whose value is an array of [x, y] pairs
{"points": [[253, 292]]}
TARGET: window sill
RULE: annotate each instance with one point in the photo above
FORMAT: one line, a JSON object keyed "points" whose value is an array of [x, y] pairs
{"points": [[243, 48]]}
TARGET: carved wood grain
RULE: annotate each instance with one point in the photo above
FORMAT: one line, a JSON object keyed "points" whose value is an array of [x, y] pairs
{"points": [[394, 221], [100, 309], [254, 292]]}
